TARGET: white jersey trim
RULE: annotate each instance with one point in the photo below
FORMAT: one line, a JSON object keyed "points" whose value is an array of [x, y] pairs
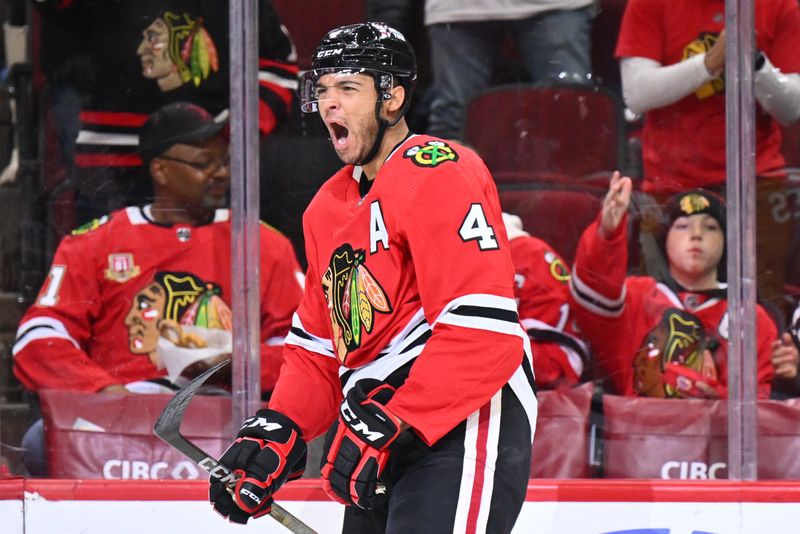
{"points": [[269, 77], [479, 320], [575, 360], [300, 337], [471, 466], [89, 137], [595, 302], [41, 328], [395, 355]]}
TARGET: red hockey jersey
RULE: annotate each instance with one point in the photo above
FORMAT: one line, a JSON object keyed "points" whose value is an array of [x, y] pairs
{"points": [[413, 280], [541, 289], [615, 312], [96, 320]]}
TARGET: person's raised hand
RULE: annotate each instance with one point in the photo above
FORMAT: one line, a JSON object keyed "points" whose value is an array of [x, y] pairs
{"points": [[715, 57], [615, 204]]}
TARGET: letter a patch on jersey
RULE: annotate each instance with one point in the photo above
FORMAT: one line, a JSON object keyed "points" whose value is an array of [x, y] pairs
{"points": [[431, 154], [353, 297]]}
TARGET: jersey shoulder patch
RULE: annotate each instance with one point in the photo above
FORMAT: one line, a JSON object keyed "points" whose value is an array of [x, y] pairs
{"points": [[431, 153], [90, 226]]}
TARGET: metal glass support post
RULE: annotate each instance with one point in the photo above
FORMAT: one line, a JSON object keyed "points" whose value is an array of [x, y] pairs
{"points": [[243, 17], [741, 222]]}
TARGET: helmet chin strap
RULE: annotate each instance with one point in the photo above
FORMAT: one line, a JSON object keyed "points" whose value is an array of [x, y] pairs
{"points": [[383, 125]]}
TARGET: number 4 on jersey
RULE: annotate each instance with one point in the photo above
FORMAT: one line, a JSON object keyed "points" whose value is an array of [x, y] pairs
{"points": [[476, 228]]}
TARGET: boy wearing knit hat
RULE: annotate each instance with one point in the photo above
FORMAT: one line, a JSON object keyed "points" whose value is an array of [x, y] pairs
{"points": [[678, 325]]}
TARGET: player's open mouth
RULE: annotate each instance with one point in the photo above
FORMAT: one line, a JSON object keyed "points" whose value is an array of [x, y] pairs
{"points": [[339, 134]]}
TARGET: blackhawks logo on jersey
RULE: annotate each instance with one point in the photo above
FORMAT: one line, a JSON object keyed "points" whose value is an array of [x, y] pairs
{"points": [[353, 297], [431, 154]]}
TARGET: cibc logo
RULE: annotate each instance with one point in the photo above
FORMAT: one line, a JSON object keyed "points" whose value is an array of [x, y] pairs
{"points": [[693, 470], [139, 470]]}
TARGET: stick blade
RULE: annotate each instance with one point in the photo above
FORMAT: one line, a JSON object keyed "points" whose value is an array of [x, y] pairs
{"points": [[168, 424]]}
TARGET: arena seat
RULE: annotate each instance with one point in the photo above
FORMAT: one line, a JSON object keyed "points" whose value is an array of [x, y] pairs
{"points": [[687, 438], [561, 447], [307, 30], [563, 131], [558, 215]]}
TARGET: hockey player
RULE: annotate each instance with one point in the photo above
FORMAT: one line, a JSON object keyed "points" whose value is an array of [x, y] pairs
{"points": [[677, 327], [115, 282], [407, 346], [541, 282]]}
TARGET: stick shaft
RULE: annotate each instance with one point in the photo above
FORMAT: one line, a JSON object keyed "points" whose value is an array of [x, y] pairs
{"points": [[168, 428]]}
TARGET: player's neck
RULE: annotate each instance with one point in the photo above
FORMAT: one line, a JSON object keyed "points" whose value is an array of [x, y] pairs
{"points": [[393, 137]]}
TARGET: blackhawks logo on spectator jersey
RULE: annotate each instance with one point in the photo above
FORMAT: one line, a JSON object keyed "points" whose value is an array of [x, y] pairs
{"points": [[353, 297]]}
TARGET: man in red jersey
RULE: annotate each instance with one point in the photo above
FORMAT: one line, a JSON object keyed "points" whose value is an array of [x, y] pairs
{"points": [[117, 282], [627, 319], [406, 347]]}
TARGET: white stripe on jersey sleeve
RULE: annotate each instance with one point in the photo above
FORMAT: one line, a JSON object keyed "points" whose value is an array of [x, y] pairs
{"points": [[595, 302], [41, 328], [270, 77], [299, 336], [483, 319]]}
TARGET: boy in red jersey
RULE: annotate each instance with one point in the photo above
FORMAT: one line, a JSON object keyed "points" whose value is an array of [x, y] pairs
{"points": [[407, 347], [624, 318]]}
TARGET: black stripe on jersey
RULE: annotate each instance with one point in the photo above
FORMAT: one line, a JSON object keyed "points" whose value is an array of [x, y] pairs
{"points": [[487, 313], [31, 329], [543, 335], [526, 368], [103, 128], [611, 310], [396, 379], [301, 333], [417, 342]]}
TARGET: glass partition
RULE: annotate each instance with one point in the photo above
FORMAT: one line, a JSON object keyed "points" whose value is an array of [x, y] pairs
{"points": [[662, 316]]}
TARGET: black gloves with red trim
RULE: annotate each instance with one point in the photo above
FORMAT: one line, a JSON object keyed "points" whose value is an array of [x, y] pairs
{"points": [[268, 452], [357, 445]]}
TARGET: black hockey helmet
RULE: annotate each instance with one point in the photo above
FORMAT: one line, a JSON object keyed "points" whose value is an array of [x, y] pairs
{"points": [[372, 48]]}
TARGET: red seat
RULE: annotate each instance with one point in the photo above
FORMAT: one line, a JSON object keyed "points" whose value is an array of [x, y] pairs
{"points": [[306, 30], [559, 130], [561, 447], [558, 216]]}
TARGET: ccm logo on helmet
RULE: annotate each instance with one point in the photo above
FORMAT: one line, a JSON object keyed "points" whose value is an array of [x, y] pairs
{"points": [[331, 52], [359, 426]]}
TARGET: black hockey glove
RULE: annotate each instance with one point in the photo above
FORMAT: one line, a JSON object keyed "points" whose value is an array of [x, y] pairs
{"points": [[357, 445], [268, 451]]}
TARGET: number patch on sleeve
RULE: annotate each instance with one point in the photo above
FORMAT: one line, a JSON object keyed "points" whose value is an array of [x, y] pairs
{"points": [[476, 228], [49, 297]]}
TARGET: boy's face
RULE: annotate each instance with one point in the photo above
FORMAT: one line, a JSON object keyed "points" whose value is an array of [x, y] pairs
{"points": [[695, 245], [347, 107]]}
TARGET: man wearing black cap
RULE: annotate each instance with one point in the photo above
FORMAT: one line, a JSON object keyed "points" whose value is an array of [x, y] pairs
{"points": [[120, 282], [680, 322]]}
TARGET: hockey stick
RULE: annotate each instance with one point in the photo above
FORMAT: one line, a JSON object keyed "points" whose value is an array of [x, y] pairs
{"points": [[168, 428]]}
